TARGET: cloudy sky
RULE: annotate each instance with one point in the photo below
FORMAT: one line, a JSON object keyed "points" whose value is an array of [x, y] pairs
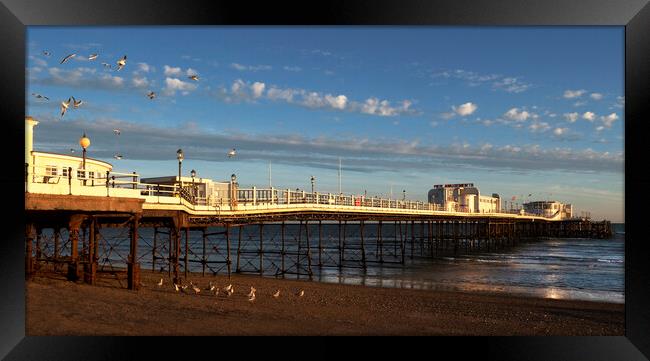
{"points": [[515, 110]]}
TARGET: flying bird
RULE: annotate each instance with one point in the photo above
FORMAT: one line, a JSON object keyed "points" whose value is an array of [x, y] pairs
{"points": [[92, 57], [64, 106], [121, 63], [194, 77], [117, 156], [38, 96], [68, 58], [301, 293], [151, 95], [276, 294], [76, 103], [232, 153], [160, 283], [46, 53], [117, 131]]}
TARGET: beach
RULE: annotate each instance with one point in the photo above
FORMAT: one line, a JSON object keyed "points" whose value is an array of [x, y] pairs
{"points": [[55, 306]]}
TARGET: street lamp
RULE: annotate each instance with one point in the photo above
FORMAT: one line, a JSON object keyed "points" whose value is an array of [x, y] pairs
{"points": [[193, 174], [84, 142], [179, 156], [313, 181], [404, 194], [233, 179]]}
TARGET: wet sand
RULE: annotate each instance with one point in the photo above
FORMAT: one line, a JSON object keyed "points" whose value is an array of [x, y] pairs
{"points": [[59, 307]]}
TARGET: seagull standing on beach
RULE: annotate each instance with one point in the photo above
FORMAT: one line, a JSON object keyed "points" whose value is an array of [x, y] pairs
{"points": [[176, 287], [68, 57], [216, 292], [276, 294], [196, 289], [160, 283], [252, 292], [121, 63], [301, 293], [64, 106], [251, 298], [228, 288]]}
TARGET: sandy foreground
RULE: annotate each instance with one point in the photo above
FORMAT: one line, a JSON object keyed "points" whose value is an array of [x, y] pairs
{"points": [[59, 307]]}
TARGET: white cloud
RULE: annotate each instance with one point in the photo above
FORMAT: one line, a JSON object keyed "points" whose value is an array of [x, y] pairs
{"points": [[539, 127], [517, 115], [599, 128], [144, 67], [174, 84], [465, 109], [571, 117], [596, 96], [560, 131], [281, 94], [511, 85], [292, 68], [241, 67], [574, 93], [375, 106], [589, 116], [258, 89], [139, 82], [579, 103], [171, 71], [338, 102], [609, 119]]}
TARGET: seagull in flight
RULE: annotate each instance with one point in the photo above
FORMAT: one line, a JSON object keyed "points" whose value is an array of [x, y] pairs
{"points": [[38, 96], [117, 131], [160, 283], [93, 56], [68, 58], [276, 294], [46, 53], [117, 156], [76, 103], [151, 95], [194, 77], [64, 106], [232, 153], [121, 63]]}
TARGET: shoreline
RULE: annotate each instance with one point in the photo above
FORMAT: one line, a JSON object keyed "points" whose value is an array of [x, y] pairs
{"points": [[55, 306]]}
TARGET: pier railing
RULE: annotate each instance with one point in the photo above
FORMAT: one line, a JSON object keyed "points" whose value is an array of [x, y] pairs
{"points": [[49, 180]]}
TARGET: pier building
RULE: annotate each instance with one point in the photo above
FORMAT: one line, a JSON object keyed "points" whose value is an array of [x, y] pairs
{"points": [[463, 197], [549, 209]]}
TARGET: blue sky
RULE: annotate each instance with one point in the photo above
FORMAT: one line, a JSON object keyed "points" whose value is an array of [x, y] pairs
{"points": [[516, 110]]}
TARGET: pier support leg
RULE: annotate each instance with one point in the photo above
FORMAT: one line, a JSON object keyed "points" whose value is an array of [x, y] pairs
{"points": [[380, 243], [90, 271], [39, 254], [29, 259], [177, 253], [363, 246], [73, 232], [155, 247], [241, 229], [187, 241], [57, 250], [203, 258], [133, 265], [283, 250], [320, 243], [228, 261], [261, 249], [309, 271]]}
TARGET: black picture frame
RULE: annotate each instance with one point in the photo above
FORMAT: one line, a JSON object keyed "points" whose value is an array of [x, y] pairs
{"points": [[15, 15]]}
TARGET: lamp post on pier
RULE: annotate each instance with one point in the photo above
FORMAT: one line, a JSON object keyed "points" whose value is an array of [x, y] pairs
{"points": [[84, 142], [180, 156], [193, 174]]}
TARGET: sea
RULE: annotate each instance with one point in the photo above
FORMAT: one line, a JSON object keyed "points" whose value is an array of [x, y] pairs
{"points": [[559, 268]]}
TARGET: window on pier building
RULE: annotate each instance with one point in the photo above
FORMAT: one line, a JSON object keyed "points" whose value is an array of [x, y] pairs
{"points": [[51, 170], [64, 171], [80, 174]]}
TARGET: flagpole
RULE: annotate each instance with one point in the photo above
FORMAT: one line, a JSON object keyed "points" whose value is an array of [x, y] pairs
{"points": [[339, 175]]}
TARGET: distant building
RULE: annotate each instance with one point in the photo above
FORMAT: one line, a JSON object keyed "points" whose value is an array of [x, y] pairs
{"points": [[463, 197], [203, 191], [549, 209]]}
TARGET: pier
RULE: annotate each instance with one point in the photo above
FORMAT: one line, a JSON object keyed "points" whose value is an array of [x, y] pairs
{"points": [[254, 228]]}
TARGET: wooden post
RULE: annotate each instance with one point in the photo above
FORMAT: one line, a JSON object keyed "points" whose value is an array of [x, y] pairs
{"points": [[309, 271], [133, 265], [261, 249], [228, 262], [363, 247], [203, 260], [187, 240], [29, 259]]}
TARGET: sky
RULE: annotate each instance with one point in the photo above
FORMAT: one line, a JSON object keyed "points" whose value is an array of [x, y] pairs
{"points": [[517, 111]]}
